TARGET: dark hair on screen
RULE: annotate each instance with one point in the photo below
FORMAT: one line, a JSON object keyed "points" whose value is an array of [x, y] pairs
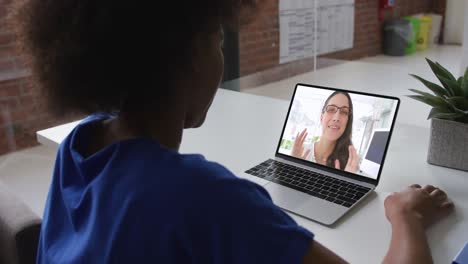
{"points": [[115, 55], [341, 151]]}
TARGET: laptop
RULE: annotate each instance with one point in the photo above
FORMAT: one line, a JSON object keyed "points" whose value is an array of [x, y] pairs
{"points": [[303, 180]]}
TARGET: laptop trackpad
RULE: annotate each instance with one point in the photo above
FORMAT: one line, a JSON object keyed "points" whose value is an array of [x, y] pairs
{"points": [[304, 204]]}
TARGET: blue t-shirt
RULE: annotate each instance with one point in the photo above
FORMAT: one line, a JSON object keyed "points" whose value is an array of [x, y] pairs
{"points": [[136, 201]]}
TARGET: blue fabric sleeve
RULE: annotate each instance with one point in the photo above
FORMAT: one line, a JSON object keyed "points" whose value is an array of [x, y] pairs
{"points": [[242, 225]]}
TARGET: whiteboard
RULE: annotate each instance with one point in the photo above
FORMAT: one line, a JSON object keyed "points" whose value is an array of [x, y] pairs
{"points": [[303, 34]]}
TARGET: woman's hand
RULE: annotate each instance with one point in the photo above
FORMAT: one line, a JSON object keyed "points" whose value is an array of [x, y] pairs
{"points": [[353, 161], [427, 204], [410, 212], [298, 146]]}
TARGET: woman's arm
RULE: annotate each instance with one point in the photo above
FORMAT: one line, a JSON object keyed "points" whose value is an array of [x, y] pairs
{"points": [[319, 254], [409, 212], [408, 243]]}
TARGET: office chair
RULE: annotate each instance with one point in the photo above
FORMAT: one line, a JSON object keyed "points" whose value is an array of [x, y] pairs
{"points": [[19, 230]]}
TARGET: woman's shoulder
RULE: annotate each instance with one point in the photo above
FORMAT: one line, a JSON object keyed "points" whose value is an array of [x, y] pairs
{"points": [[163, 160], [194, 183], [161, 166]]}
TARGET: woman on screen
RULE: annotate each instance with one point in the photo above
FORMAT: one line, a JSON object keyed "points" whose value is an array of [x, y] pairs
{"points": [[335, 148]]}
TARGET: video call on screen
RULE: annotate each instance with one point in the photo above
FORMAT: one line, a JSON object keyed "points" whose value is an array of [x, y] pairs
{"points": [[324, 118]]}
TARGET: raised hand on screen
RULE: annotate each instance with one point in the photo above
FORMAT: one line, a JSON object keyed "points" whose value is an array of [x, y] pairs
{"points": [[298, 146], [353, 161]]}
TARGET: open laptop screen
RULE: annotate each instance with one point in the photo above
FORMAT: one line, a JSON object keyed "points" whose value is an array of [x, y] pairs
{"points": [[339, 129]]}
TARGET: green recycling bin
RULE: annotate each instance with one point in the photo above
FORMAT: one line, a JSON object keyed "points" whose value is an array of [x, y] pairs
{"points": [[411, 47]]}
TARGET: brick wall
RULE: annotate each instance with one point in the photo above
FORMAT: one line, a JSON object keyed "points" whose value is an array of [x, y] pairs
{"points": [[21, 114], [8, 58], [259, 41], [22, 109]]}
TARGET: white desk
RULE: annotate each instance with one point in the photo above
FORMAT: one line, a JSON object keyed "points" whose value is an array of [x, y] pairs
{"points": [[242, 130]]}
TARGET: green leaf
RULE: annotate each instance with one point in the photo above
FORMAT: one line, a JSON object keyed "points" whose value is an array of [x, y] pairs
{"points": [[459, 111], [429, 99], [438, 69], [450, 116], [447, 73], [459, 102], [439, 110], [464, 84], [451, 104], [422, 93], [435, 88], [451, 86], [442, 74]]}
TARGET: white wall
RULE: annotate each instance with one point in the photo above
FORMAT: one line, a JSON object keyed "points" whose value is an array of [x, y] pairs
{"points": [[464, 61], [454, 20]]}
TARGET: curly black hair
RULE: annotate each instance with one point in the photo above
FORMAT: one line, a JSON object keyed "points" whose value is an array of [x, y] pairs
{"points": [[115, 55]]}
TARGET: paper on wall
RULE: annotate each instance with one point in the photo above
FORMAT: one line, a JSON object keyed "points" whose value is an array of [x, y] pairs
{"points": [[335, 27]]}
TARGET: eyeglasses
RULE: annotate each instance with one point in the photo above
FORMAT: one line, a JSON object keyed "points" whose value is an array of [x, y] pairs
{"points": [[332, 109]]}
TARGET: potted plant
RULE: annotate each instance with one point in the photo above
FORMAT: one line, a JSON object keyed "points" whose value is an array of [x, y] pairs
{"points": [[448, 144]]}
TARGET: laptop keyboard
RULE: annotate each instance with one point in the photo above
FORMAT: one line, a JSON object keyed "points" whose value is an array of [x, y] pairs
{"points": [[318, 185]]}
